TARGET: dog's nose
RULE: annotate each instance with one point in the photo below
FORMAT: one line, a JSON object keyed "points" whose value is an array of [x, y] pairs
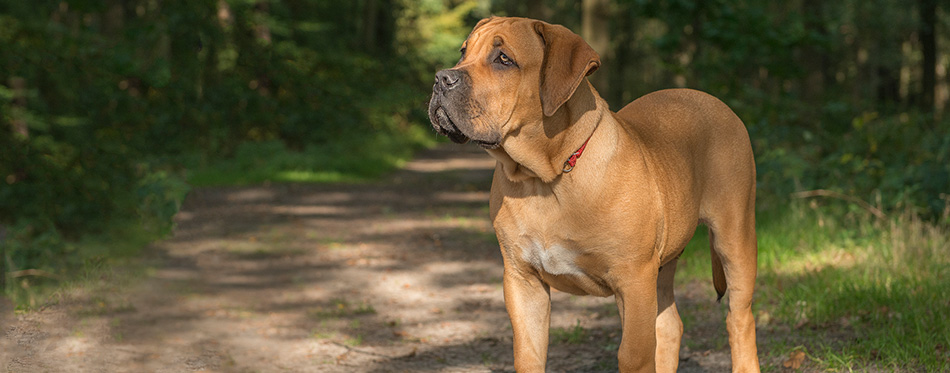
{"points": [[447, 79]]}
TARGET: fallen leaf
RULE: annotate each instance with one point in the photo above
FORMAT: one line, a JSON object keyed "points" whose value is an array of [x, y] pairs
{"points": [[795, 360], [342, 357]]}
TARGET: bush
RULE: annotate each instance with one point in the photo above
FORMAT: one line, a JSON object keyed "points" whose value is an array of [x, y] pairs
{"points": [[106, 107]]}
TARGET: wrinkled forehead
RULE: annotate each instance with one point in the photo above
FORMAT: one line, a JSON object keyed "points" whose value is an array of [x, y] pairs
{"points": [[512, 31]]}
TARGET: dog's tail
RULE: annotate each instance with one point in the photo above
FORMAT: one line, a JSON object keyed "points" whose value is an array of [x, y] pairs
{"points": [[719, 276]]}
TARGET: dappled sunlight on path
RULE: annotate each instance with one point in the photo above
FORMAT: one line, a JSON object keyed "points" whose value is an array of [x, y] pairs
{"points": [[398, 275]]}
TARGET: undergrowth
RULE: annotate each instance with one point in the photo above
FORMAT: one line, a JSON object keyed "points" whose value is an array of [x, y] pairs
{"points": [[346, 160], [41, 261], [89, 260], [851, 289]]}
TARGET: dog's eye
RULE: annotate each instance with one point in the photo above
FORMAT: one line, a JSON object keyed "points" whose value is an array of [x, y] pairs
{"points": [[504, 59], [462, 51]]}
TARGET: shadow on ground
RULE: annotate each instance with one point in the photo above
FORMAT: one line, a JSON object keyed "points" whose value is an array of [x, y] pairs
{"points": [[398, 275]]}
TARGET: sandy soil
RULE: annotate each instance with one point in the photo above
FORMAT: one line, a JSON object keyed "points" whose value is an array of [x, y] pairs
{"points": [[402, 275]]}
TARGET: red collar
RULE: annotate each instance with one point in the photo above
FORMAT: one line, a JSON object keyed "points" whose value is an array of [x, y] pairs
{"points": [[572, 160]]}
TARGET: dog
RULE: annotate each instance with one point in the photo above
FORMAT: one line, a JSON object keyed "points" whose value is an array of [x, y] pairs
{"points": [[593, 202]]}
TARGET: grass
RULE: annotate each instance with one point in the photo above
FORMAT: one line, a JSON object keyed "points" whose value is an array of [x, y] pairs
{"points": [[91, 255], [90, 270], [573, 335], [341, 308], [342, 319], [851, 290], [354, 341], [272, 161]]}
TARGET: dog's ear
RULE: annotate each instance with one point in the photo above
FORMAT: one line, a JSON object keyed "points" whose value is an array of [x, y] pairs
{"points": [[568, 59]]}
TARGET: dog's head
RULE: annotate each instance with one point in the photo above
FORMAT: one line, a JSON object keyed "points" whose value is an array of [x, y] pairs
{"points": [[512, 71]]}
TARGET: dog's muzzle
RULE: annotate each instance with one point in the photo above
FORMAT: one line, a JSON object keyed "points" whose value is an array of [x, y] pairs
{"points": [[445, 94], [450, 110], [443, 125]]}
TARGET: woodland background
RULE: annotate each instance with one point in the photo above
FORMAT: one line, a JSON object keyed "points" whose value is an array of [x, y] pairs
{"points": [[111, 110]]}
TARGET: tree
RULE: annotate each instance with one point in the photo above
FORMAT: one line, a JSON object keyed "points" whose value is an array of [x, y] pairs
{"points": [[814, 56], [928, 41], [595, 28], [538, 9], [378, 26]]}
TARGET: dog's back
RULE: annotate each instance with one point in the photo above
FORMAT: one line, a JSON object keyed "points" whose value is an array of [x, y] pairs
{"points": [[701, 143]]}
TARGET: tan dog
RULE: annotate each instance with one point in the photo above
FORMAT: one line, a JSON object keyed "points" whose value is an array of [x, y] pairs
{"points": [[594, 202]]}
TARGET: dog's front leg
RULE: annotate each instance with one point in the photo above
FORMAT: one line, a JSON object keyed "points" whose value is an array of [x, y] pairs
{"points": [[637, 302], [528, 301]]}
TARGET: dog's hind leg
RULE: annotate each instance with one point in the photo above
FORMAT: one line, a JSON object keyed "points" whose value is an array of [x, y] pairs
{"points": [[669, 327], [733, 240]]}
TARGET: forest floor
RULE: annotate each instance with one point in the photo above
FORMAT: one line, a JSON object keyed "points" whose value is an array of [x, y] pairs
{"points": [[399, 275]]}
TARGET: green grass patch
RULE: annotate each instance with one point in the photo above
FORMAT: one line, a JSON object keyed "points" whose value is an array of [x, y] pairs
{"points": [[851, 290], [346, 161], [341, 308], [573, 335], [87, 271], [44, 255]]}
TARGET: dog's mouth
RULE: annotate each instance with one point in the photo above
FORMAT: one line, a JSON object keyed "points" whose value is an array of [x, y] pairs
{"points": [[446, 127], [486, 145]]}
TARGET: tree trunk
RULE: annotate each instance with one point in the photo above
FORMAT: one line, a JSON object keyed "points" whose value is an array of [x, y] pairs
{"points": [[814, 59], [538, 9], [370, 14], [928, 41], [885, 57], [889, 85], [114, 20], [378, 27], [262, 30], [18, 86], [386, 31], [595, 29], [618, 70]]}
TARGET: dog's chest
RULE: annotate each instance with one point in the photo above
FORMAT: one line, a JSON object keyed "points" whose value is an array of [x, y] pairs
{"points": [[562, 266], [554, 259], [558, 244]]}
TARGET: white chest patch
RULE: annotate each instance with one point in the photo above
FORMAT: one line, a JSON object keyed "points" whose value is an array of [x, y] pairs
{"points": [[555, 259]]}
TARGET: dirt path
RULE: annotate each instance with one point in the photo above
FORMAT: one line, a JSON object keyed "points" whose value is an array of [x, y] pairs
{"points": [[403, 275]]}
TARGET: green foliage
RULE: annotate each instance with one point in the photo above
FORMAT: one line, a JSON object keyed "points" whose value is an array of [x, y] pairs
{"points": [[272, 161], [830, 92], [573, 335], [856, 291], [159, 195], [894, 157], [434, 30], [107, 108]]}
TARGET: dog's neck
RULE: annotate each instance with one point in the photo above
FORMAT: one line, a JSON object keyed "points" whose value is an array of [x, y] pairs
{"points": [[539, 150]]}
